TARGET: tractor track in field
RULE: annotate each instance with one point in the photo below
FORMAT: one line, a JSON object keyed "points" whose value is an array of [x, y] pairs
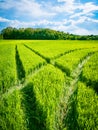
{"points": [[70, 88], [24, 80], [21, 84], [51, 60], [67, 52], [37, 53], [19, 66], [68, 93]]}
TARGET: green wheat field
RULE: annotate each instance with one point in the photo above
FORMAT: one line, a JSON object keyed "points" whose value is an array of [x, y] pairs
{"points": [[48, 85]]}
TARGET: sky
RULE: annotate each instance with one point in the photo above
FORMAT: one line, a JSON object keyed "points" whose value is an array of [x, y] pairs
{"points": [[72, 16]]}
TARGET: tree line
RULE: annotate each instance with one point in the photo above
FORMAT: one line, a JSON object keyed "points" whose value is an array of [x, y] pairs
{"points": [[41, 34]]}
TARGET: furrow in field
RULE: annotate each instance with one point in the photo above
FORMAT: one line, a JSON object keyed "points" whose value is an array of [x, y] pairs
{"points": [[21, 75], [21, 84], [89, 73], [19, 67], [51, 60], [21, 71], [69, 62], [22, 78], [37, 53], [70, 89], [67, 52]]}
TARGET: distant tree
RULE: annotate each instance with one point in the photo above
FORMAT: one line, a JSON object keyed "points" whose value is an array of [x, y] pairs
{"points": [[41, 33], [1, 36], [7, 33]]}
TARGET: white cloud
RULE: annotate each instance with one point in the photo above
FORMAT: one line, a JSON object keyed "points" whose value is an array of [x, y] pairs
{"points": [[89, 7], [4, 20], [76, 9], [83, 31], [59, 25], [69, 15], [33, 9], [75, 30], [86, 9], [80, 20], [27, 8], [93, 20], [67, 1], [68, 6], [16, 23]]}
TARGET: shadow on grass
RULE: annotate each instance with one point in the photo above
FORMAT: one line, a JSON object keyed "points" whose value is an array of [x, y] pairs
{"points": [[19, 66], [70, 120], [62, 68], [92, 84], [37, 53], [35, 117]]}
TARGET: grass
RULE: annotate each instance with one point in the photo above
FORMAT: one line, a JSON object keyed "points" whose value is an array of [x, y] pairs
{"points": [[12, 116], [90, 72], [49, 96], [8, 75]]}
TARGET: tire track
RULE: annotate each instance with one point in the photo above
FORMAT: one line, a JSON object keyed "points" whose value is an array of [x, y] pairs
{"points": [[70, 88], [51, 60], [66, 52], [71, 85], [37, 53], [21, 85], [24, 80], [19, 67]]}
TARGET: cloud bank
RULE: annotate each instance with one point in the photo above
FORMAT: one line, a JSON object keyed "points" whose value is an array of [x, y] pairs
{"points": [[64, 15]]}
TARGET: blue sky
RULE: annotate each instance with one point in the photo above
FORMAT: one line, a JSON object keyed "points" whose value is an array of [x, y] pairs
{"points": [[73, 16]]}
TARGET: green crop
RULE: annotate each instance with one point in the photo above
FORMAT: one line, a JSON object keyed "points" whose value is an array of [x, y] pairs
{"points": [[48, 85], [12, 116], [29, 59], [87, 108], [90, 72], [42, 97], [69, 61], [8, 72]]}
